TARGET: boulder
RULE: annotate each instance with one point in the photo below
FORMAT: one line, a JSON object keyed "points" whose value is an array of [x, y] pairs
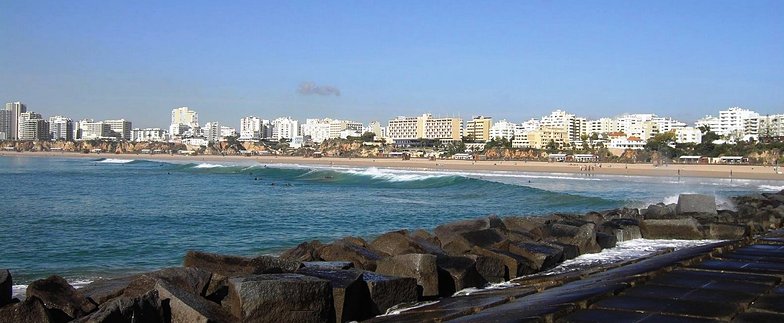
{"points": [[425, 235], [606, 240], [6, 287], [622, 229], [280, 298], [622, 213], [362, 257], [685, 228], [306, 251], [350, 294], [447, 233], [457, 273], [231, 266], [101, 291], [218, 288], [516, 265], [696, 203], [659, 211], [400, 242], [30, 310], [582, 235], [422, 267], [726, 231], [525, 228], [387, 291], [144, 308], [541, 256], [191, 280], [186, 307], [60, 298], [337, 265], [490, 269]]}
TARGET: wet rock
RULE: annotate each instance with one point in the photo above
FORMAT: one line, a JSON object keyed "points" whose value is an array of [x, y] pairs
{"points": [[624, 213], [659, 211], [524, 228], [458, 273], [725, 231], [101, 291], [6, 287], [606, 240], [490, 269], [185, 307], [542, 256], [231, 266], [686, 228], [516, 265], [400, 242], [337, 265], [362, 257], [426, 236], [192, 280], [31, 310], [581, 235], [622, 229], [280, 298], [422, 267], [306, 251], [60, 298], [481, 230], [144, 308], [387, 291], [350, 294], [696, 203]]}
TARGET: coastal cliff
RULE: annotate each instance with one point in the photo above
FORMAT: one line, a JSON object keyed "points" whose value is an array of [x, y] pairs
{"points": [[355, 279]]}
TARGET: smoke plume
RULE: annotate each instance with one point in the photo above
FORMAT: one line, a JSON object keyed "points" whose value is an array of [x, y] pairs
{"points": [[308, 88]]}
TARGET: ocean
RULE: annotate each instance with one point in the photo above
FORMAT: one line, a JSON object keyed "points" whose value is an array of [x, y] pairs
{"points": [[89, 218]]}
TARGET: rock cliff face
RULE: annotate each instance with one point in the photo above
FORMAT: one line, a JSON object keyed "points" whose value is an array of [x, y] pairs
{"points": [[124, 147], [353, 279], [504, 153]]}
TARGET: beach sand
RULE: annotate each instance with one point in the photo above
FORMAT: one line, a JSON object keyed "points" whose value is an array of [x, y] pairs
{"points": [[670, 170]]}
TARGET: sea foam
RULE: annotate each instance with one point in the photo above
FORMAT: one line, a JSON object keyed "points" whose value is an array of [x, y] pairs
{"points": [[115, 161]]}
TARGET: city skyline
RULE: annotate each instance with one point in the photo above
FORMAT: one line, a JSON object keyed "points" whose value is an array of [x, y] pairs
{"points": [[360, 61]]}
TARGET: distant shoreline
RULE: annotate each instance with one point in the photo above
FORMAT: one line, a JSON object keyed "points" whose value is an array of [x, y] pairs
{"points": [[671, 170]]}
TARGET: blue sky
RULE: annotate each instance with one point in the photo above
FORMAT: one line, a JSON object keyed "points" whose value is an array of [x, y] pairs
{"points": [[513, 60]]}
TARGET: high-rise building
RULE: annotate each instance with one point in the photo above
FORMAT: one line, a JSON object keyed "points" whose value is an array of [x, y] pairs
{"points": [[212, 131], [148, 134], [502, 129], [478, 128], [317, 129], [574, 126], [9, 120], [90, 129], [284, 128], [735, 122], [60, 128], [376, 128], [32, 127], [186, 116], [250, 128], [121, 128], [426, 126]]}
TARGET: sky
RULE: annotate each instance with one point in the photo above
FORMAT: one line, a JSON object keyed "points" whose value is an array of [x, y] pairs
{"points": [[374, 60]]}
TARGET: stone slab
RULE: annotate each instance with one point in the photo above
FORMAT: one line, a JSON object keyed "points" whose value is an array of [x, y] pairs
{"points": [[602, 315], [770, 303], [720, 311], [690, 294], [742, 266], [758, 317]]}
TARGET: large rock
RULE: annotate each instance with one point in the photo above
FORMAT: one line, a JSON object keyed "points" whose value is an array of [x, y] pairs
{"points": [[581, 235], [516, 265], [696, 203], [659, 211], [192, 280], [280, 298], [387, 291], [306, 251], [101, 291], [31, 310], [231, 266], [400, 242], [726, 231], [492, 269], [350, 294], [6, 287], [457, 273], [362, 257], [685, 228], [525, 228], [144, 308], [541, 256], [458, 237], [337, 265], [422, 267], [185, 307], [622, 229], [60, 297]]}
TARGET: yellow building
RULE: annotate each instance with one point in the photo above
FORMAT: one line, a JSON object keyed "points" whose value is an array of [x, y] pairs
{"points": [[478, 128], [539, 139]]}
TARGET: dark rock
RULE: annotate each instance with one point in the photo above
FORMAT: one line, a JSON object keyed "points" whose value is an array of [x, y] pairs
{"points": [[542, 256], [6, 287], [280, 298], [101, 291], [447, 233], [328, 265], [191, 280], [306, 251], [516, 265], [426, 236], [725, 231], [686, 228], [144, 308], [422, 267], [387, 291], [623, 213], [31, 310], [659, 211], [458, 273], [525, 228], [185, 307], [350, 294], [400, 242], [583, 236], [60, 298], [622, 229], [490, 269], [606, 240], [362, 257], [218, 288], [231, 266], [696, 203]]}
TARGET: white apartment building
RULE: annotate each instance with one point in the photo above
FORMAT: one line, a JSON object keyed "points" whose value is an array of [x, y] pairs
{"points": [[502, 129], [284, 128], [186, 116], [685, 135], [403, 129], [710, 122], [667, 124], [60, 128], [558, 119], [89, 129], [9, 120], [602, 125], [317, 129], [376, 128], [336, 127], [771, 126], [31, 126], [630, 142], [121, 128], [212, 131], [735, 122], [148, 135], [250, 128]]}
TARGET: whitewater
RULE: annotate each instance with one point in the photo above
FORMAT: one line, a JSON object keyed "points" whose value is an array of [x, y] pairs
{"points": [[87, 218]]}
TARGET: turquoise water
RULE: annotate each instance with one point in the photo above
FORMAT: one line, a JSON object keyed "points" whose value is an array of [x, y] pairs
{"points": [[85, 218]]}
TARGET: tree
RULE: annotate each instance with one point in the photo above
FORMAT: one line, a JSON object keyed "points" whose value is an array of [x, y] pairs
{"points": [[368, 136], [552, 147]]}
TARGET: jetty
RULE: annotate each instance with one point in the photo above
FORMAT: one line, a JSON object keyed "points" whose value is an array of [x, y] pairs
{"points": [[737, 278]]}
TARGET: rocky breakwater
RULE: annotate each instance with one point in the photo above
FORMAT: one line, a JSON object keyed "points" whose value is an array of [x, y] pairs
{"points": [[352, 279]]}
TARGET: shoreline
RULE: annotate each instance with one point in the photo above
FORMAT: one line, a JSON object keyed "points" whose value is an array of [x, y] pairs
{"points": [[753, 172]]}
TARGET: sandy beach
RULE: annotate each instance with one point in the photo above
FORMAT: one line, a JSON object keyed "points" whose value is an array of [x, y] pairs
{"points": [[670, 170]]}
